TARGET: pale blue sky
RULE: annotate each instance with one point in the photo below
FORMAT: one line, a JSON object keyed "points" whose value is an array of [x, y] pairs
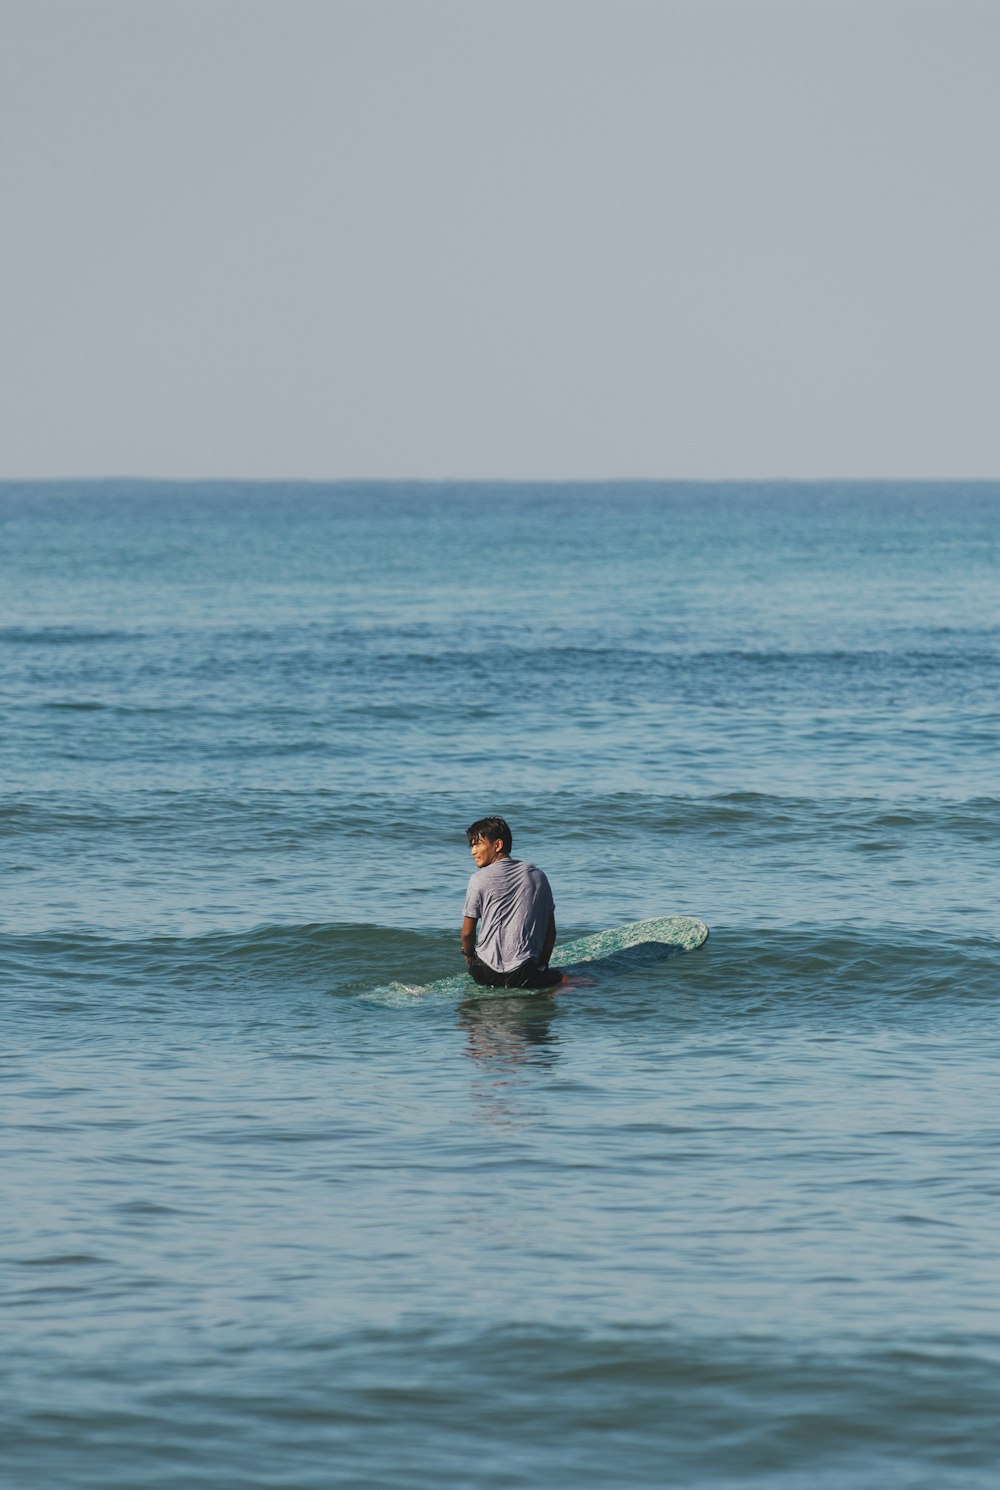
{"points": [[450, 238]]}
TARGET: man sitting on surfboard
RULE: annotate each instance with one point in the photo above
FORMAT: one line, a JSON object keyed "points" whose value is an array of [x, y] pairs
{"points": [[514, 903]]}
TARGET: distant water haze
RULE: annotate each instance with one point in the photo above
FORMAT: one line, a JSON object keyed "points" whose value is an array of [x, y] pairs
{"points": [[514, 238]]}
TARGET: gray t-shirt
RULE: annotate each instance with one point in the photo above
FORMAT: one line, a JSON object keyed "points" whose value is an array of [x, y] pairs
{"points": [[512, 902]]}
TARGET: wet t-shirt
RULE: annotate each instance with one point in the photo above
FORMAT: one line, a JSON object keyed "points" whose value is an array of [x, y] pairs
{"points": [[512, 902]]}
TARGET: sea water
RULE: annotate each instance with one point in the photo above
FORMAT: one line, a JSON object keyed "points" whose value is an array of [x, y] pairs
{"points": [[273, 1215]]}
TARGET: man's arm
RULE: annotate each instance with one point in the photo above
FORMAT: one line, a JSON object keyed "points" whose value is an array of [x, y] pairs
{"points": [[550, 941], [469, 937]]}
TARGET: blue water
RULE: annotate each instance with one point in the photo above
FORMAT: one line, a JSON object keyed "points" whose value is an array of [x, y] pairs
{"points": [[276, 1216]]}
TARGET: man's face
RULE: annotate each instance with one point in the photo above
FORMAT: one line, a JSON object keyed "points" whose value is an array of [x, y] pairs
{"points": [[485, 852]]}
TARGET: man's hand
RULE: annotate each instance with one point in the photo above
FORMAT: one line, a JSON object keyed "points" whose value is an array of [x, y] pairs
{"points": [[469, 938]]}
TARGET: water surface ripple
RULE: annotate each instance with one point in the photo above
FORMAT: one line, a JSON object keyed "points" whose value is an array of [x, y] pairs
{"points": [[278, 1213]]}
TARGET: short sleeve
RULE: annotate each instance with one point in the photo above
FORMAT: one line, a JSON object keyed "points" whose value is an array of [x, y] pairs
{"points": [[474, 899]]}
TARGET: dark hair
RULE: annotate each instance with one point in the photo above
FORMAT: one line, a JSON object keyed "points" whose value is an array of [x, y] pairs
{"points": [[490, 828]]}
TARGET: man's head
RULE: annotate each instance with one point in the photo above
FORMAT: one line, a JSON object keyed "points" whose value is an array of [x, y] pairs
{"points": [[489, 840]]}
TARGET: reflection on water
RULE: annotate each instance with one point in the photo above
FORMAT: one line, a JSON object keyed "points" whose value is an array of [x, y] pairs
{"points": [[507, 1032]]}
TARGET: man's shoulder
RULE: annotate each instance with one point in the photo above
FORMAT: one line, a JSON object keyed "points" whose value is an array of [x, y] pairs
{"points": [[485, 875], [497, 870], [523, 870], [505, 869], [534, 880]]}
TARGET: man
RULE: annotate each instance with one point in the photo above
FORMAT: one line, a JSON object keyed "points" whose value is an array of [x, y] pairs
{"points": [[513, 902]]}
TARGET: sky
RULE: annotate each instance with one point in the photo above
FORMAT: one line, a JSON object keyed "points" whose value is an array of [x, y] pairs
{"points": [[549, 239]]}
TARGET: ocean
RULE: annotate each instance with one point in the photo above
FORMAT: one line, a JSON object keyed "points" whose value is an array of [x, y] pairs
{"points": [[279, 1213]]}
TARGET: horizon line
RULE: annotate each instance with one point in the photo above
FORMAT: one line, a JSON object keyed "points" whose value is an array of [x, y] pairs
{"points": [[146, 480]]}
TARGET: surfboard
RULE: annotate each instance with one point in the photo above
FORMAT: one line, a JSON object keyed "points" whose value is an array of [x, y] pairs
{"points": [[639, 944]]}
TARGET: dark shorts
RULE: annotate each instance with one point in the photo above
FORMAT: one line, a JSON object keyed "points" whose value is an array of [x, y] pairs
{"points": [[528, 975]]}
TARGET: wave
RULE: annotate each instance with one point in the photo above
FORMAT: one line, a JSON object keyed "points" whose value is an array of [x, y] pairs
{"points": [[835, 966], [317, 810], [430, 1401], [349, 955], [62, 636], [746, 969]]}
